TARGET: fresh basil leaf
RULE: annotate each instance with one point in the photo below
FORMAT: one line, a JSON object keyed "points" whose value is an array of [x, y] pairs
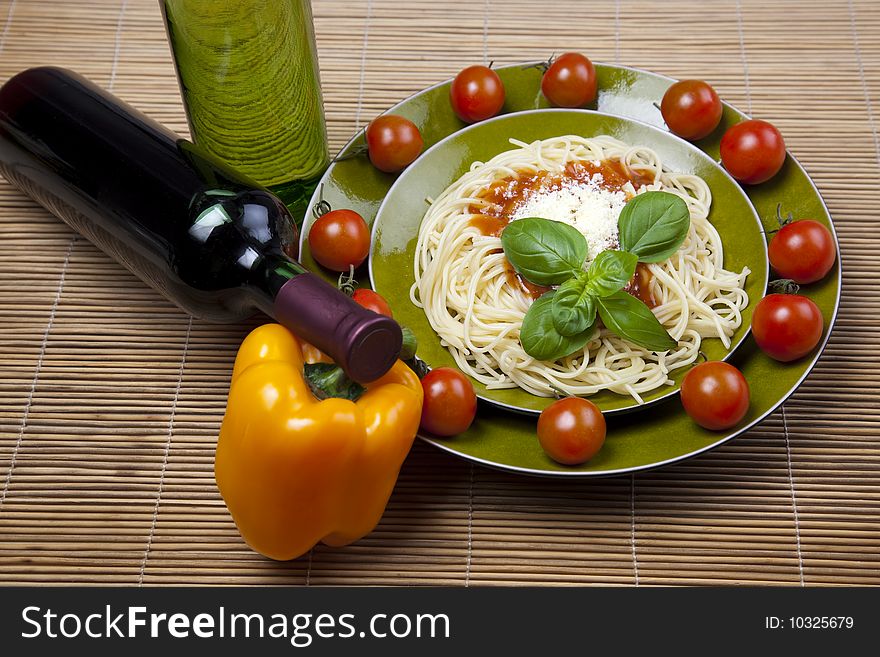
{"points": [[632, 320], [539, 337], [574, 308], [653, 225], [610, 272], [542, 251]]}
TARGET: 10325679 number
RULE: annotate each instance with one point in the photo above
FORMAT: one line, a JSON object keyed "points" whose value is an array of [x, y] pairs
{"points": [[821, 622], [810, 622]]}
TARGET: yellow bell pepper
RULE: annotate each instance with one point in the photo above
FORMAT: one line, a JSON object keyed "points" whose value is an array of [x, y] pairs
{"points": [[294, 470]]}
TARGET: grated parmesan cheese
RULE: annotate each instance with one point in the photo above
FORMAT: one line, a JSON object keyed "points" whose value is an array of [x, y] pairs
{"points": [[588, 206]]}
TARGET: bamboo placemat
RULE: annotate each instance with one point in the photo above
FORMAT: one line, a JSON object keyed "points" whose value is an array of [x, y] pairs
{"points": [[111, 398]]}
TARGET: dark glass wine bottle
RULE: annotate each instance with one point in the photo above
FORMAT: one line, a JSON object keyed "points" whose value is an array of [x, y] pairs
{"points": [[205, 236]]}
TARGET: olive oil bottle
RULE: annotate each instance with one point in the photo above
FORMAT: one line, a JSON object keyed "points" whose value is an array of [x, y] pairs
{"points": [[248, 73]]}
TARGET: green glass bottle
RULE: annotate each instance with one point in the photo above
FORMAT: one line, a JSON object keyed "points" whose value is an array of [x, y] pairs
{"points": [[248, 73]]}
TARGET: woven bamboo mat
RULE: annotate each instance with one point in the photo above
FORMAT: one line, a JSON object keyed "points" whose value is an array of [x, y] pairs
{"points": [[111, 399]]}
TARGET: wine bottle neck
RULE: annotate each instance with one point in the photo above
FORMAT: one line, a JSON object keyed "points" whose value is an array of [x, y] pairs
{"points": [[282, 269], [270, 273]]}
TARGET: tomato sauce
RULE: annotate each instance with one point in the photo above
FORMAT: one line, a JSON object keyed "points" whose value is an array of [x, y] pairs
{"points": [[640, 285], [506, 194], [624, 173], [533, 290]]}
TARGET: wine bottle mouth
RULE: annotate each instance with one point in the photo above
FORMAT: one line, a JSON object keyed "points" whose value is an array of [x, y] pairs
{"points": [[374, 349], [365, 344]]}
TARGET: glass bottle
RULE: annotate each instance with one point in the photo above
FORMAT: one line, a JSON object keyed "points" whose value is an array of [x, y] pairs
{"points": [[206, 236], [248, 73]]}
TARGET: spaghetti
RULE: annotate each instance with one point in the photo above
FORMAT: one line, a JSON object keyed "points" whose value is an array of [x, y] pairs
{"points": [[476, 303]]}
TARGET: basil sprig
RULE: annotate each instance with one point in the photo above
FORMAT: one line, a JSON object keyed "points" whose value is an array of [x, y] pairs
{"points": [[651, 227]]}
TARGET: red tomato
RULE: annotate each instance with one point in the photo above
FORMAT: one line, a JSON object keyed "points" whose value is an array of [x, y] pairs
{"points": [[450, 403], [802, 251], [691, 109], [787, 326], [752, 151], [715, 395], [570, 81], [393, 142], [340, 240], [571, 431], [372, 301], [476, 93]]}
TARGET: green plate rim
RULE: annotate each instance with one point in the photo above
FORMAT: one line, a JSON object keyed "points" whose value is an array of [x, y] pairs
{"points": [[633, 408], [593, 474]]}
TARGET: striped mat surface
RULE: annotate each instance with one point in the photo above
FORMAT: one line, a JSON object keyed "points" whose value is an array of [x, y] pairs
{"points": [[111, 398]]}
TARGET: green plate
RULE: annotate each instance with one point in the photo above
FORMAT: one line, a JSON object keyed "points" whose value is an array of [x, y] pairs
{"points": [[661, 434], [396, 227]]}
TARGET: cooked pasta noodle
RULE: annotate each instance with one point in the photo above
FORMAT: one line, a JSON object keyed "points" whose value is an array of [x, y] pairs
{"points": [[474, 303]]}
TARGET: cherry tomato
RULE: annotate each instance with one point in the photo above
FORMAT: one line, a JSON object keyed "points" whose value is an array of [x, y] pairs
{"points": [[571, 431], [715, 395], [340, 240], [393, 142], [450, 403], [476, 93], [787, 326], [570, 81], [691, 109], [752, 151], [802, 251], [372, 301]]}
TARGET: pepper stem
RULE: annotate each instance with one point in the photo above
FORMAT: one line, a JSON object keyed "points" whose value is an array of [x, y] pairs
{"points": [[329, 380]]}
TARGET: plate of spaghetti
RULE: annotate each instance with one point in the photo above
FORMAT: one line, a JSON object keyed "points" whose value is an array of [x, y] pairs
{"points": [[579, 168], [441, 259]]}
